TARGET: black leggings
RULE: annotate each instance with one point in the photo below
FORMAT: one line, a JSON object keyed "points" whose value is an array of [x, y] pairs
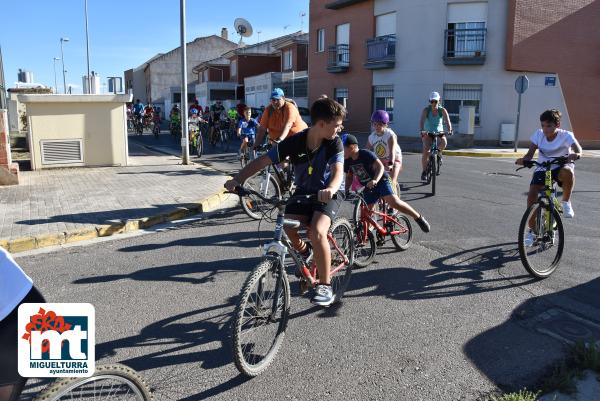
{"points": [[9, 372]]}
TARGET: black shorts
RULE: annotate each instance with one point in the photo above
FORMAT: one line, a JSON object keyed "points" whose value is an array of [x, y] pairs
{"points": [[9, 374], [539, 177], [308, 209]]}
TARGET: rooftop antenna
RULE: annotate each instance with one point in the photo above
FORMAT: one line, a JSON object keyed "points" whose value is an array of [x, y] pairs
{"points": [[258, 36], [243, 28], [302, 15]]}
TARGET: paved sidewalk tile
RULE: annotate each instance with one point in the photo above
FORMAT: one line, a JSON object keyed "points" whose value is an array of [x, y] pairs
{"points": [[59, 200]]}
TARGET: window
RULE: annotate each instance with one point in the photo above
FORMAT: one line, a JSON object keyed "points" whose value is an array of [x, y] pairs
{"points": [[456, 96], [233, 68], [466, 29], [341, 96], [287, 60], [384, 99], [320, 40], [176, 98], [385, 24]]}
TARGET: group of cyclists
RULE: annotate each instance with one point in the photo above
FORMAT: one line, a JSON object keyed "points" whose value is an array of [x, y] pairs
{"points": [[330, 164]]}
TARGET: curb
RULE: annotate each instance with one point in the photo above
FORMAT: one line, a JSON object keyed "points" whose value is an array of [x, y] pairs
{"points": [[23, 244], [483, 154]]}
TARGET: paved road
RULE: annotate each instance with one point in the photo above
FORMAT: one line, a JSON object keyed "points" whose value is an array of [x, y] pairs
{"points": [[452, 318]]}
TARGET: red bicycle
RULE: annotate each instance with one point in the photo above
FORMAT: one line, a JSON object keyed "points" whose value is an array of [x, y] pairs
{"points": [[372, 227]]}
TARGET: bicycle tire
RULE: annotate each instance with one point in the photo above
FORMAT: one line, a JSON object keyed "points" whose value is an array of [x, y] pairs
{"points": [[527, 261], [199, 146], [240, 359], [339, 280], [433, 173], [364, 250], [62, 387], [253, 207], [401, 245]]}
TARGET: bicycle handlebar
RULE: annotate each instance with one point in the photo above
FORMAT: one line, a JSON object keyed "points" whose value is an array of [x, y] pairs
{"points": [[241, 191], [439, 133], [561, 160]]}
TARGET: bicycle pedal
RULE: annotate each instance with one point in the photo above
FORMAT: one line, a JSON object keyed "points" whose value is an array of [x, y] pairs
{"points": [[304, 286]]}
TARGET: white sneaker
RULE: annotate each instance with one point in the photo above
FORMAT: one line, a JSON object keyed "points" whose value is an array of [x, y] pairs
{"points": [[323, 295], [530, 238], [567, 210]]}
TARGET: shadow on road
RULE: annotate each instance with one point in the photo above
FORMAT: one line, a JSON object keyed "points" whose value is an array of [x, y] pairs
{"points": [[515, 354], [461, 273]]}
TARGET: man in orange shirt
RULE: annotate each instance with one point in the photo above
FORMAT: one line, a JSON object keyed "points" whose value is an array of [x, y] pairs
{"points": [[281, 119]]}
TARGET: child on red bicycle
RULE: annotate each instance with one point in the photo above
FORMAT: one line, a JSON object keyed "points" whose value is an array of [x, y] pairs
{"points": [[369, 170]]}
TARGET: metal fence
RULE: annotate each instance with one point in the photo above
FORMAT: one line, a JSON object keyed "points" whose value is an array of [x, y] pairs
{"points": [[339, 56], [381, 48], [465, 43]]}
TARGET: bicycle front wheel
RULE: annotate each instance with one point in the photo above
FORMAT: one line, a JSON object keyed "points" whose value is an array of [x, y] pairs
{"points": [[434, 167], [260, 318], [114, 382], [252, 205], [541, 256], [199, 146], [400, 231], [341, 242]]}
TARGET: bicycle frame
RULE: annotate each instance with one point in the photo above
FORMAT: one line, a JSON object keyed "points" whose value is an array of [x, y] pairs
{"points": [[366, 220], [549, 195]]}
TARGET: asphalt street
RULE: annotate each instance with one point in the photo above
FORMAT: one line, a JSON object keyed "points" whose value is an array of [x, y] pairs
{"points": [[454, 317]]}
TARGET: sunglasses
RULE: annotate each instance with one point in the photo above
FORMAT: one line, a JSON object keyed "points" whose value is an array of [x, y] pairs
{"points": [[433, 101]]}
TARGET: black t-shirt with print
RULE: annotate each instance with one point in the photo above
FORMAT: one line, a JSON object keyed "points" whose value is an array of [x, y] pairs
{"points": [[362, 167], [312, 170]]}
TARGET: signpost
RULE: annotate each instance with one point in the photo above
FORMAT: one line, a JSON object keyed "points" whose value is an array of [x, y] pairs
{"points": [[521, 85]]}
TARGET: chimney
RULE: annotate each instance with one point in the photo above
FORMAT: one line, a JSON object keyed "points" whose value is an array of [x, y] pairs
{"points": [[224, 34]]}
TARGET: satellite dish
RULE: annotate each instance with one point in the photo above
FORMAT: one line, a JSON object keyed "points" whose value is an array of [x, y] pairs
{"points": [[242, 27]]}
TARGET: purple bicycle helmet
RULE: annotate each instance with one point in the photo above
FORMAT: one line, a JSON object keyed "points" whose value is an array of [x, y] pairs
{"points": [[380, 116]]}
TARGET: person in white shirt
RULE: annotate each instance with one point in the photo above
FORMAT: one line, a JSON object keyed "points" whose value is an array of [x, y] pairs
{"points": [[550, 141], [384, 143], [15, 288]]}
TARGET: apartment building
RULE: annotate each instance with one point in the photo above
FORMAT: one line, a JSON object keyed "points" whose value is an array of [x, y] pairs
{"points": [[247, 73], [398, 51]]}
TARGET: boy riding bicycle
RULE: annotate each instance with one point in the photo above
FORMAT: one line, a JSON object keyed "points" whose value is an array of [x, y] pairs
{"points": [[371, 173], [383, 141], [246, 130], [318, 158]]}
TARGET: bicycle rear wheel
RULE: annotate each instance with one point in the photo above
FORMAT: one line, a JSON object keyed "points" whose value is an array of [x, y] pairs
{"points": [[341, 243], [114, 382], [260, 318], [364, 248], [542, 257], [199, 146], [402, 230], [269, 188]]}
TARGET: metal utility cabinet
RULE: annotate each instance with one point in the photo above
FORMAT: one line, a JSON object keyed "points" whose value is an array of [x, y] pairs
{"points": [[76, 130]]}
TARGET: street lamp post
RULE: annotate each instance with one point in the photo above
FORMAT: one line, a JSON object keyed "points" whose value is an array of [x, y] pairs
{"points": [[185, 149], [87, 46], [62, 56], [55, 83]]}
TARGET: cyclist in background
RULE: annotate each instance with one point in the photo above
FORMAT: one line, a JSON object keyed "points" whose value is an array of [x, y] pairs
{"points": [[550, 141], [318, 158], [215, 115], [433, 118], [281, 118], [246, 130], [138, 109], [370, 171], [16, 288], [384, 142]]}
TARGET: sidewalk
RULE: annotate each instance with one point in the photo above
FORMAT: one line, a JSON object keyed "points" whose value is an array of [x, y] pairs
{"points": [[56, 206]]}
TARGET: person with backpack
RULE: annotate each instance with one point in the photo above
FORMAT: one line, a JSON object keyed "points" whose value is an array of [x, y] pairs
{"points": [[280, 119], [433, 118]]}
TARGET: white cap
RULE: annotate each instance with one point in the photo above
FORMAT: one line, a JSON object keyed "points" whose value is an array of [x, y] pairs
{"points": [[434, 96]]}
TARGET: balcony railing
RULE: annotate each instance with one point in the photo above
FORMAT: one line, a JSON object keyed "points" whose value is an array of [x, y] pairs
{"points": [[339, 58], [381, 52], [464, 46]]}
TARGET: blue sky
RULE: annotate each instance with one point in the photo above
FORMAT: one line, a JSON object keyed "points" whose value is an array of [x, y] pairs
{"points": [[123, 34]]}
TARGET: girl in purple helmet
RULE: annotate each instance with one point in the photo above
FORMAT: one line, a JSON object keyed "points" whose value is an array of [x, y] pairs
{"points": [[384, 143]]}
